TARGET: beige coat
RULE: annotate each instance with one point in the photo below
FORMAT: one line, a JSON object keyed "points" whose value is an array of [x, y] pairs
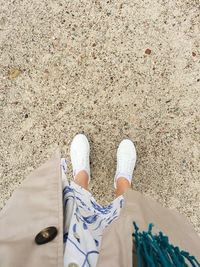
{"points": [[37, 204]]}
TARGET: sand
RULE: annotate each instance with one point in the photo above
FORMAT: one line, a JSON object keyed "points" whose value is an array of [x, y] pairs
{"points": [[111, 70]]}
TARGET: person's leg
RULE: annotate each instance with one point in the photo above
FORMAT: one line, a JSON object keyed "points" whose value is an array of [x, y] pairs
{"points": [[80, 151], [126, 159], [82, 179], [122, 185]]}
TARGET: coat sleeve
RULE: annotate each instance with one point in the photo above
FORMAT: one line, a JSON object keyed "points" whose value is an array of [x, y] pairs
{"points": [[34, 205], [117, 247]]}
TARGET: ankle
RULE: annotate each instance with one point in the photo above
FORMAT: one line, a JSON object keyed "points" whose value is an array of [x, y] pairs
{"points": [[122, 185], [120, 177], [82, 179], [81, 172]]}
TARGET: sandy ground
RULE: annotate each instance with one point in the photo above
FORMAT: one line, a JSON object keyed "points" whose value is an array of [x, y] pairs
{"points": [[110, 69]]}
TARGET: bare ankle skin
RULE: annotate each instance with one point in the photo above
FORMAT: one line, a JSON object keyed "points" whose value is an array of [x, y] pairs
{"points": [[122, 185], [82, 179]]}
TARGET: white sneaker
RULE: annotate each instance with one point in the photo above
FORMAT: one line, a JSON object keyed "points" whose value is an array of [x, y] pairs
{"points": [[126, 159], [79, 152]]}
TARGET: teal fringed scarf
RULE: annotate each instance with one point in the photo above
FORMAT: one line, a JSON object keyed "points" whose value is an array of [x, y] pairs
{"points": [[156, 251]]}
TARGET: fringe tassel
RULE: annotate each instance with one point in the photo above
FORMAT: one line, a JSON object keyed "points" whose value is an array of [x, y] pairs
{"points": [[156, 251]]}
